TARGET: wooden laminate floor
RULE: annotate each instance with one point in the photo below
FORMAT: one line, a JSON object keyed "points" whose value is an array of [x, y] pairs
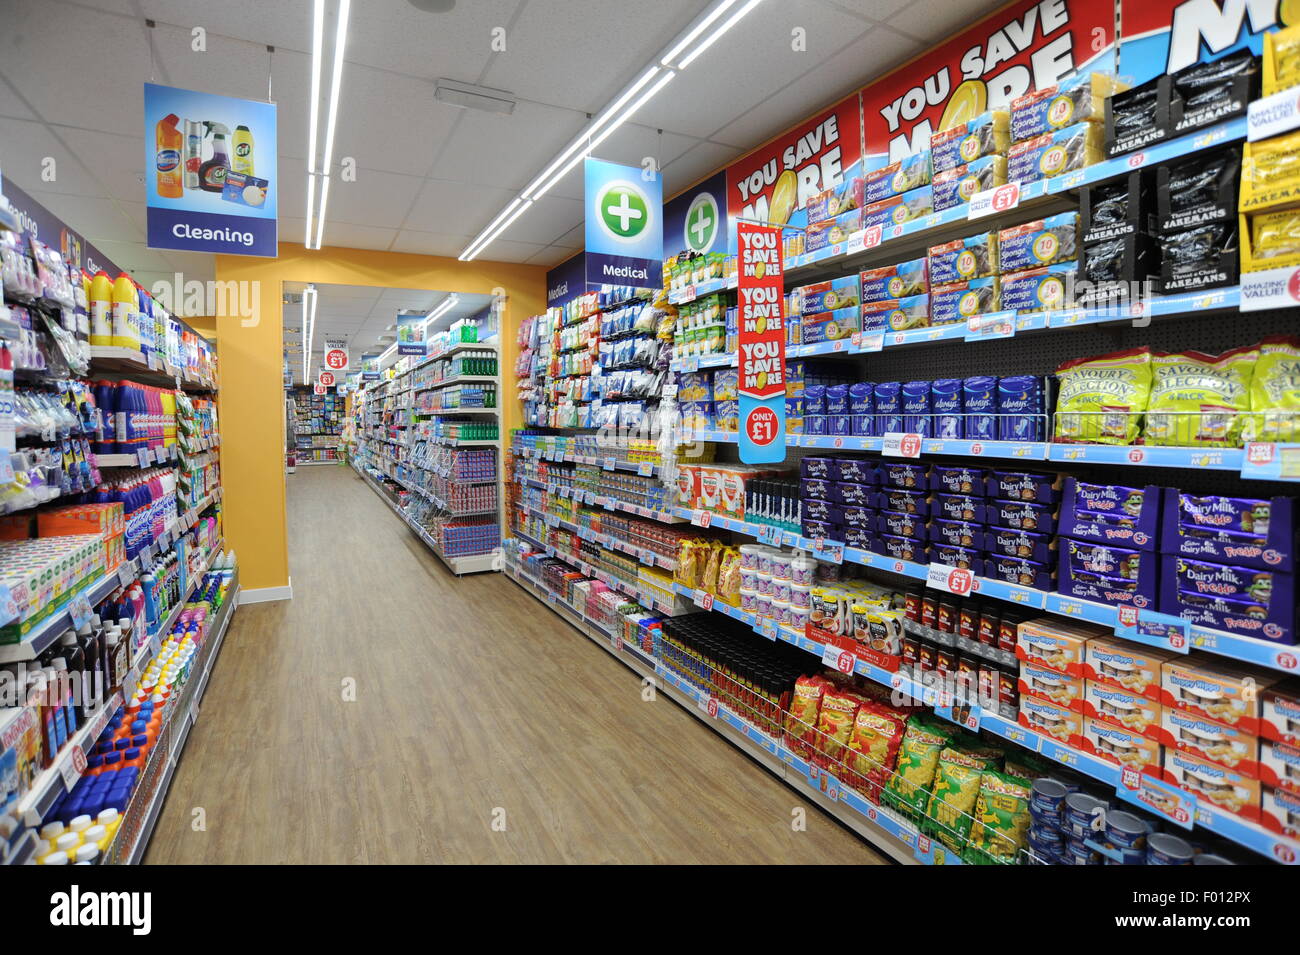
{"points": [[471, 699]]}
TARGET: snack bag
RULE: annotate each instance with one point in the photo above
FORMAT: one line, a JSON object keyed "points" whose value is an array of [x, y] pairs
{"points": [[834, 726], [1275, 392], [805, 705], [952, 799], [709, 580], [873, 748], [908, 789], [729, 576], [1199, 401], [1102, 400], [1275, 237], [1001, 819], [1270, 172]]}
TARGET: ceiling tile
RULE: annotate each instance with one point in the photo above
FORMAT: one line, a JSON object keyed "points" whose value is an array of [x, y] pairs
{"points": [[430, 243], [99, 220], [495, 149], [508, 250], [11, 104], [442, 203], [936, 22], [25, 147], [380, 199], [546, 220], [875, 10], [389, 122], [700, 161], [349, 236]]}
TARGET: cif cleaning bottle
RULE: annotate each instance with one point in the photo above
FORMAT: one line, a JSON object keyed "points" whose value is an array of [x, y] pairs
{"points": [[243, 158], [212, 174], [168, 140]]}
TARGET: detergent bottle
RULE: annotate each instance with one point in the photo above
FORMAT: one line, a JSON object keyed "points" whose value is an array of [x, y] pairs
{"points": [[212, 174], [168, 140], [243, 158], [124, 306], [101, 305]]}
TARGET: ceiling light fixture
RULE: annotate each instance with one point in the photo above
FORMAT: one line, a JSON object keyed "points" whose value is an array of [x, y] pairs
{"points": [[317, 51], [331, 123], [447, 305], [656, 76], [469, 96], [308, 329]]}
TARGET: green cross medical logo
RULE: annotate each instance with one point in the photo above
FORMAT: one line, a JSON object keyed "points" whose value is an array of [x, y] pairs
{"points": [[701, 223], [623, 211]]}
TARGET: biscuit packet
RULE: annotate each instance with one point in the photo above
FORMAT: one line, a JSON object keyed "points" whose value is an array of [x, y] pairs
{"points": [[1199, 401], [1275, 392], [1102, 400], [1001, 820]]}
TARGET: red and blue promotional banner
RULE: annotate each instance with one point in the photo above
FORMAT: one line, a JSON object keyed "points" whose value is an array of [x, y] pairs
{"points": [[1163, 36], [1022, 48], [774, 183], [695, 221], [760, 298]]}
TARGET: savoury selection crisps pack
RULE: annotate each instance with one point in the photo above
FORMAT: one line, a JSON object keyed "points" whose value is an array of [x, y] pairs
{"points": [[1001, 819], [1275, 392], [1102, 400], [918, 757], [1197, 400]]}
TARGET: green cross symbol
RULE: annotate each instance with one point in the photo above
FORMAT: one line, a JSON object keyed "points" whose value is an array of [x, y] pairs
{"points": [[701, 223], [623, 210]]}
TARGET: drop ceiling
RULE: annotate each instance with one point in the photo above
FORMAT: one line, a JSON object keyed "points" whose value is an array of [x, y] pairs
{"points": [[430, 176]]}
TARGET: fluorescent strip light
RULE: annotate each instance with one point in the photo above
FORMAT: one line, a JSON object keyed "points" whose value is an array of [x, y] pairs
{"points": [[391, 348], [731, 22], [306, 349], [649, 94], [442, 309], [600, 121], [311, 200], [699, 28], [320, 216], [317, 52], [492, 225], [310, 325], [340, 41], [471, 254]]}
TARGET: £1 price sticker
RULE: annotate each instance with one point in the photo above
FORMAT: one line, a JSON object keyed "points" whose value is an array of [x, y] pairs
{"points": [[645, 469], [900, 444], [846, 661], [702, 519], [953, 580], [703, 600]]}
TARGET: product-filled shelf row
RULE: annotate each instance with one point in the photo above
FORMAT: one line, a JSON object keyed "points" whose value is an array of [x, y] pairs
{"points": [[644, 554], [904, 842], [607, 463]]}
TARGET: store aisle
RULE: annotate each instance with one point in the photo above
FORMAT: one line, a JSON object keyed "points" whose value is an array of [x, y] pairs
{"points": [[470, 698]]}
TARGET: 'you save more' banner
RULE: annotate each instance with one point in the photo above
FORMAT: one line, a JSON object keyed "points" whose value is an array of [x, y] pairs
{"points": [[760, 298]]}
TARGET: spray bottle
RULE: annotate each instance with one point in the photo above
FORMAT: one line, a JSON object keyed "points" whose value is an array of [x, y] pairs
{"points": [[212, 174]]}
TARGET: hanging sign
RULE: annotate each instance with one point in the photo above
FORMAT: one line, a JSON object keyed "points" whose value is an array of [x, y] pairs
{"points": [[210, 162], [567, 280], [624, 225], [336, 355], [696, 221], [318, 389], [370, 366], [326, 378], [760, 299], [410, 333]]}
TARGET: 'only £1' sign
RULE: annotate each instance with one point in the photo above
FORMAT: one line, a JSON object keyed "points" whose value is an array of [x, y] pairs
{"points": [[760, 297]]}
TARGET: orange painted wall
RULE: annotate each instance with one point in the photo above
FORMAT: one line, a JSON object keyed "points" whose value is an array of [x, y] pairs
{"points": [[251, 405]]}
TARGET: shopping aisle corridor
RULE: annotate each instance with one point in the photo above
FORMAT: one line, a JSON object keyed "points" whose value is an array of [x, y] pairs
{"points": [[470, 698]]}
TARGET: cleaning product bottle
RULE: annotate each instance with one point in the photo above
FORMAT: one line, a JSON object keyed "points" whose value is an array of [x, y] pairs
{"points": [[243, 158], [212, 174], [193, 156], [124, 306], [168, 141], [101, 304]]}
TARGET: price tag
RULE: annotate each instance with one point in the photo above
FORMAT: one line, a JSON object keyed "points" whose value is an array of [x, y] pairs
{"points": [[142, 457], [953, 580], [1164, 799], [1272, 115], [669, 390], [998, 199], [832, 552], [1264, 461], [857, 242], [992, 325], [710, 706], [645, 468], [923, 847], [846, 661], [703, 600], [962, 714], [647, 558], [872, 236], [702, 518], [1154, 629], [126, 573], [8, 606], [868, 341], [81, 610], [6, 469], [900, 444], [691, 365], [767, 627], [609, 464]]}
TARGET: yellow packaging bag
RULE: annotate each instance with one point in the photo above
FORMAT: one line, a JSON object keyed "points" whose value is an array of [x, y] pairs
{"points": [[1275, 392], [1199, 401], [1102, 400]]}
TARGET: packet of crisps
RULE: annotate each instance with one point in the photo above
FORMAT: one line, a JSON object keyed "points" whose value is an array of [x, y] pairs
{"points": [[1101, 400], [1199, 401], [1001, 820], [952, 800], [1275, 392], [908, 789]]}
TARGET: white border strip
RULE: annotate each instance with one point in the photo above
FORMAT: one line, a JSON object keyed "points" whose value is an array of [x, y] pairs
{"points": [[261, 595]]}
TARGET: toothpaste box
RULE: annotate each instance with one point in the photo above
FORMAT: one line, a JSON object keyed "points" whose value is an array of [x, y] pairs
{"points": [[1106, 574], [957, 479], [1026, 545], [830, 232], [974, 257], [1133, 711], [956, 533], [906, 475], [1022, 515], [901, 280], [1279, 765], [1059, 722], [1225, 788], [900, 209], [956, 186], [1218, 742], [1055, 153], [1280, 811], [959, 507], [830, 326], [1255, 532], [985, 135], [899, 177], [1054, 643], [1080, 98], [1032, 245], [901, 548], [1019, 571], [828, 296], [900, 524], [1200, 684], [1033, 486], [1280, 712], [1051, 685], [1111, 513], [1122, 745], [960, 300], [836, 202], [1038, 290], [1126, 666], [1241, 600]]}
